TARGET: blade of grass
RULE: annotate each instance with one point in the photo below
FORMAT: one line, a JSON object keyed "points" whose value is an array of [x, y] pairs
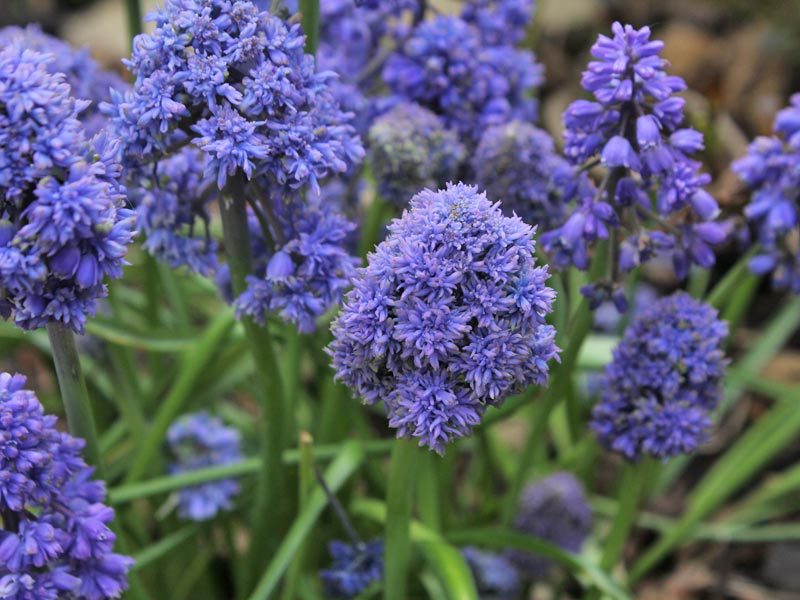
{"points": [[154, 552]]}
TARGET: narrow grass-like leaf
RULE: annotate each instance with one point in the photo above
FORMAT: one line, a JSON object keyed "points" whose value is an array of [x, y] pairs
{"points": [[154, 552], [400, 495]]}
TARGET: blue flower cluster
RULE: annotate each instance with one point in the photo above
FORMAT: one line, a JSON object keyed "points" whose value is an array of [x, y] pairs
{"points": [[633, 129], [62, 226], [448, 66], [495, 577], [85, 77], [772, 169], [197, 441], [447, 318], [307, 273], [518, 164], [235, 82], [500, 21], [409, 150], [55, 539], [555, 509], [664, 381], [355, 567]]}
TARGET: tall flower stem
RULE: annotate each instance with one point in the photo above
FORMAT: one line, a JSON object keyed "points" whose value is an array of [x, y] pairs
{"points": [[310, 11], [134, 13], [399, 501], [269, 510], [74, 394]]}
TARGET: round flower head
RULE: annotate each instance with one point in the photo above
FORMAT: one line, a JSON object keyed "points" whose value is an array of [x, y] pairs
{"points": [[409, 149], [517, 163], [499, 21], [197, 441], [771, 168], [62, 225], [235, 82], [85, 77], [447, 318], [355, 567], [55, 539], [495, 577], [664, 381], [633, 129], [445, 66], [553, 509]]}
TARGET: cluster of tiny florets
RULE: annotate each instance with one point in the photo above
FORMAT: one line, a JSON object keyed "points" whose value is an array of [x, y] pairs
{"points": [[495, 576], [355, 567], [664, 381], [772, 169], [308, 273], [62, 226], [410, 150], [197, 441], [55, 536], [447, 318], [234, 81], [554, 509], [517, 163], [633, 129]]}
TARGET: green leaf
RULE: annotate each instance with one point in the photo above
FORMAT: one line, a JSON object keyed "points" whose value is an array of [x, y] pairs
{"points": [[344, 465], [163, 547], [450, 568]]}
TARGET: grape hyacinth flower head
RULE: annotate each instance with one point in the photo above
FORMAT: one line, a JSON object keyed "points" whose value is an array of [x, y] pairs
{"points": [[86, 79], [306, 275], [197, 441], [633, 129], [771, 168], [517, 163], [447, 318], [235, 82], [63, 228], [355, 567], [445, 66], [409, 149], [664, 381], [55, 536], [495, 577], [555, 509], [499, 21]]}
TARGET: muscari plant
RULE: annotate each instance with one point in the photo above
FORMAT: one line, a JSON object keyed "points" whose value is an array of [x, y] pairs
{"points": [[260, 150]]}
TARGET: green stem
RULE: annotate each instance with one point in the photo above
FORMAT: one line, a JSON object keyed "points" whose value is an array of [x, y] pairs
{"points": [[134, 13], [74, 394], [269, 515], [310, 12], [306, 485], [399, 503], [629, 497]]}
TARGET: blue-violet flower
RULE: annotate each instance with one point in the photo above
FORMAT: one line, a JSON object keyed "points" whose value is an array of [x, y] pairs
{"points": [[355, 567]]}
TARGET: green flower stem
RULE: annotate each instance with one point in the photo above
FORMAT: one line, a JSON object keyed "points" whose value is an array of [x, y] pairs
{"points": [[306, 485], [270, 511], [400, 494], [310, 11], [74, 394], [134, 14]]}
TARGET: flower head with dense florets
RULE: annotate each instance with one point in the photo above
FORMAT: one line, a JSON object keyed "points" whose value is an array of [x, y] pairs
{"points": [[86, 79], [517, 163], [447, 318], [235, 82], [197, 441], [633, 129], [664, 381], [771, 168], [499, 21], [308, 273], [55, 539], [445, 66], [62, 225], [555, 509], [355, 567], [495, 577], [409, 150]]}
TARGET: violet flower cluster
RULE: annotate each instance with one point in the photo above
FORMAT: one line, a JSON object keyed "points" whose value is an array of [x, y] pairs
{"points": [[633, 128], [664, 381], [447, 318], [55, 536], [771, 168], [496, 578], [354, 568], [518, 163], [554, 509], [86, 79], [197, 441], [409, 150], [63, 228]]}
